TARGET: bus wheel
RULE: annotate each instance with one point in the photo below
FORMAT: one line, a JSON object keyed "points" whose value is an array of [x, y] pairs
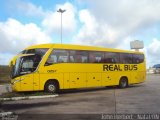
{"points": [[51, 87], [123, 83]]}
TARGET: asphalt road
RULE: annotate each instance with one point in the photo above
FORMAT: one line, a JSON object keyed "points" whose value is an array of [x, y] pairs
{"points": [[137, 99]]}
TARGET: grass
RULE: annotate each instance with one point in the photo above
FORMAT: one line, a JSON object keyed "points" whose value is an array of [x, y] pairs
{"points": [[4, 74]]}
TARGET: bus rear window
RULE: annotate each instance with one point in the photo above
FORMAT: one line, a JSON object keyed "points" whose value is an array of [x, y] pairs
{"points": [[126, 58], [138, 58]]}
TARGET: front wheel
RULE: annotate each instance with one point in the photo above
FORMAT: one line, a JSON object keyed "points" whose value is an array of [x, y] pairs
{"points": [[51, 87], [123, 83]]}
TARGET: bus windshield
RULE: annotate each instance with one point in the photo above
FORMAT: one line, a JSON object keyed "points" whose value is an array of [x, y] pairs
{"points": [[26, 64]]}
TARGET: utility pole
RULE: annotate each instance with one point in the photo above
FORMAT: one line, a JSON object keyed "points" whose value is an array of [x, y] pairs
{"points": [[61, 11]]}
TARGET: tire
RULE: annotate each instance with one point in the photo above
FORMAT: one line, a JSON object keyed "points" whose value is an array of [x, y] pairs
{"points": [[123, 83], [51, 87]]}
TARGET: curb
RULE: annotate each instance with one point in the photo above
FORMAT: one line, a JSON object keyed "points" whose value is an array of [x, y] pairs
{"points": [[5, 85], [28, 97], [2, 114]]}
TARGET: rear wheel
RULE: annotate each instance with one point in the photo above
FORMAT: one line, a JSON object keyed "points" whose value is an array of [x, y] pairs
{"points": [[51, 87], [123, 83]]}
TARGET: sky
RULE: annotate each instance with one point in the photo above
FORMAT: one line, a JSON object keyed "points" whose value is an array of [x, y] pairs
{"points": [[104, 23]]}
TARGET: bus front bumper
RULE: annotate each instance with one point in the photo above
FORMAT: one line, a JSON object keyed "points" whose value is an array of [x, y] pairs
{"points": [[15, 85]]}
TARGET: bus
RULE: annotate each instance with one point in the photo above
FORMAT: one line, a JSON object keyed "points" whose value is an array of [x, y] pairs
{"points": [[53, 67]]}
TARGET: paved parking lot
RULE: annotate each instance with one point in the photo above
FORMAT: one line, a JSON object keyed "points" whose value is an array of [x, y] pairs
{"points": [[140, 98]]}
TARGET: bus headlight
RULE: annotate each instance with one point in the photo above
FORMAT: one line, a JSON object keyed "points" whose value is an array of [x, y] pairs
{"points": [[17, 81]]}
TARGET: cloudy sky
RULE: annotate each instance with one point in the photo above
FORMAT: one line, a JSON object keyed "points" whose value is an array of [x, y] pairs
{"points": [[106, 23]]}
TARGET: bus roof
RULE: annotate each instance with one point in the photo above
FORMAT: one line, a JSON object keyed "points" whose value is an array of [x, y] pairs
{"points": [[80, 47], [40, 46]]}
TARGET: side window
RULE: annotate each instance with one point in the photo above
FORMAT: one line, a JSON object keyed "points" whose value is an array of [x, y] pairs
{"points": [[111, 57], [28, 64], [96, 57], [58, 56], [30, 51], [41, 51], [138, 58], [23, 52], [77, 56], [126, 58], [72, 56]]}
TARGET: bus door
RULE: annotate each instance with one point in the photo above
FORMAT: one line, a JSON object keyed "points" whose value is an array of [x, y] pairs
{"points": [[29, 75], [36, 82], [30, 82], [27, 82], [66, 80]]}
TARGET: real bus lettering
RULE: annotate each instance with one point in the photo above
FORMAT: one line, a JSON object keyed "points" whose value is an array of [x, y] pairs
{"points": [[118, 67], [112, 68], [130, 67]]}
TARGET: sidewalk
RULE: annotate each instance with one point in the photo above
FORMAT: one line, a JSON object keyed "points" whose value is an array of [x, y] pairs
{"points": [[5, 88]]}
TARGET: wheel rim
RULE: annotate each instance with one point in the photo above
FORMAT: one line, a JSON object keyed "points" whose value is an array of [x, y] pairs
{"points": [[124, 83], [51, 88]]}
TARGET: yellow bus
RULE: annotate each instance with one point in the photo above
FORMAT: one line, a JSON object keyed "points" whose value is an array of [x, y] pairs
{"points": [[59, 66]]}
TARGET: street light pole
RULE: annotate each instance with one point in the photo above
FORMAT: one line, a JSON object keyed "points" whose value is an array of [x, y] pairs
{"points": [[61, 11]]}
